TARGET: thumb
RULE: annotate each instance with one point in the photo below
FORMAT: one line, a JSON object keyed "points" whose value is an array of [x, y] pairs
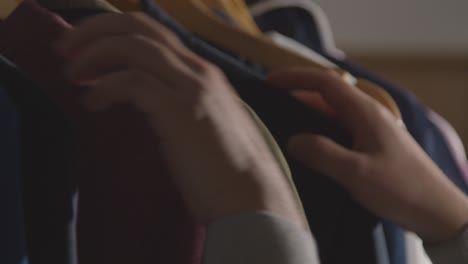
{"points": [[324, 155]]}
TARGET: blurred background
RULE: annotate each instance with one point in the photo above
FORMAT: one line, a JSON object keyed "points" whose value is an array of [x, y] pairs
{"points": [[420, 44]]}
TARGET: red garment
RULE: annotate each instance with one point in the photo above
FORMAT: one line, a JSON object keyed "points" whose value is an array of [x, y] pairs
{"points": [[129, 209]]}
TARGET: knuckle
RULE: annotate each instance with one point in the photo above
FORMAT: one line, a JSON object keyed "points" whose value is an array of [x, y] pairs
{"points": [[205, 73], [136, 16], [165, 54], [138, 85], [157, 30], [359, 167], [331, 77], [198, 85], [134, 78], [205, 69], [380, 110]]}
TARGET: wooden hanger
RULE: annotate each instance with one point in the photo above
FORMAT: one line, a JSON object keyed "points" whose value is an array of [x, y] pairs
{"points": [[195, 16], [238, 12], [7, 7]]}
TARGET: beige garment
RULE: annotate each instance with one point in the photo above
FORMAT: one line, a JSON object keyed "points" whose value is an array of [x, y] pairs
{"points": [[279, 156]]}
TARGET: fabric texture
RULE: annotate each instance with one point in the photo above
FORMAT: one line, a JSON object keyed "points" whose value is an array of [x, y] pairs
{"points": [[12, 240], [46, 152]]}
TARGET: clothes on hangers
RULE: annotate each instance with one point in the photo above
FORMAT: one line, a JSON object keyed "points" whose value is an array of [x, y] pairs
{"points": [[237, 68], [12, 240], [305, 123], [333, 216], [46, 169], [301, 27]]}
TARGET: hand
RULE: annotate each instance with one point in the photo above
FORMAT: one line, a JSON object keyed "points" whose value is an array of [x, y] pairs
{"points": [[386, 171], [220, 161]]}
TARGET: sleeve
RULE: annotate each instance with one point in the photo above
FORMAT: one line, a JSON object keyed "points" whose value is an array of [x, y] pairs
{"points": [[450, 252], [258, 238]]}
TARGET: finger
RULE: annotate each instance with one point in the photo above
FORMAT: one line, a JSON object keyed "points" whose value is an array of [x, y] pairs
{"points": [[137, 88], [105, 56], [315, 101], [107, 25], [350, 104], [118, 24], [325, 156]]}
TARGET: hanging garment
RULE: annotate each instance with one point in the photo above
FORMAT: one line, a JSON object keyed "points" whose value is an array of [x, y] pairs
{"points": [[12, 242], [47, 171], [333, 216]]}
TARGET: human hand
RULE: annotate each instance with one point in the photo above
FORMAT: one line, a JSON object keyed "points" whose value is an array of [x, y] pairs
{"points": [[220, 162], [385, 170]]}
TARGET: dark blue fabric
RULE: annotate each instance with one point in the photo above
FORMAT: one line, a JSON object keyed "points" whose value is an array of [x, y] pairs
{"points": [[342, 228], [47, 171], [12, 242], [299, 25]]}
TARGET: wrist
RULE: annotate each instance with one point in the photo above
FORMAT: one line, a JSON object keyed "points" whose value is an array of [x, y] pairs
{"points": [[450, 221]]}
